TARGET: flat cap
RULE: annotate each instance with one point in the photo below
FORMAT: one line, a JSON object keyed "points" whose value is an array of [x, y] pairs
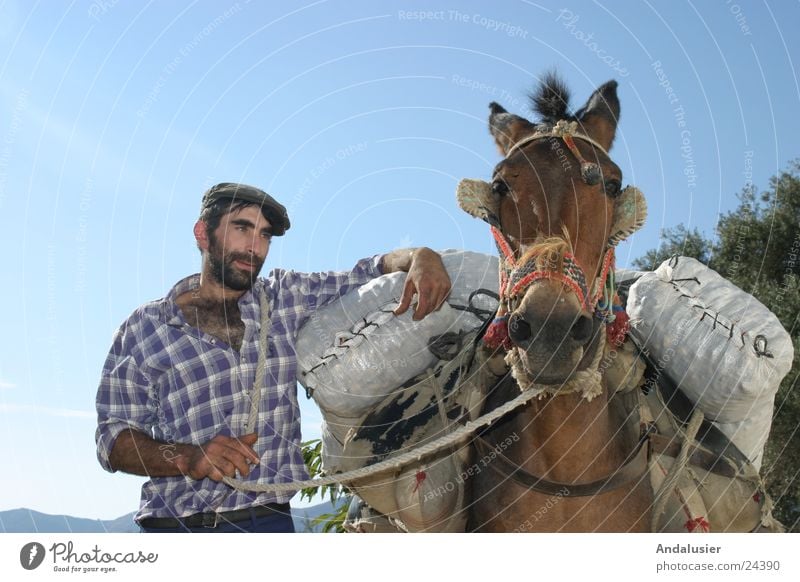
{"points": [[273, 210]]}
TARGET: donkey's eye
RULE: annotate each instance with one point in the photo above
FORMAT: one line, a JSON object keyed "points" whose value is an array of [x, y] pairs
{"points": [[499, 187], [612, 188]]}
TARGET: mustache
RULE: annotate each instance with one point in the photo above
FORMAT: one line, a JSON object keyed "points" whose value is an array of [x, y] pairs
{"points": [[245, 258]]}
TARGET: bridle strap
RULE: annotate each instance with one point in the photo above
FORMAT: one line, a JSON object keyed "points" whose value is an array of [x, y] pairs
{"points": [[633, 469], [516, 276], [560, 130], [573, 277]]}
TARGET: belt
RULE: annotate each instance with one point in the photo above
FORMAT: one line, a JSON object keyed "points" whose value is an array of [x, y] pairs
{"points": [[212, 519]]}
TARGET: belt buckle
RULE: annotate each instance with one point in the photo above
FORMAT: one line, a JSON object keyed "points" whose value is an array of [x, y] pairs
{"points": [[210, 520]]}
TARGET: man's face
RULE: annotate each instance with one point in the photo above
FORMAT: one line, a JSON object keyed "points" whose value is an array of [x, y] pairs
{"points": [[238, 247]]}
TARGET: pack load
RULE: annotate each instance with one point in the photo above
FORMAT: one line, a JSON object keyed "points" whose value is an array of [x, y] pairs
{"points": [[388, 385], [428, 494], [725, 350], [354, 351]]}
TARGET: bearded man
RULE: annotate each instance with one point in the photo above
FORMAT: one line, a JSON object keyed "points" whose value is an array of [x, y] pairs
{"points": [[175, 391]]}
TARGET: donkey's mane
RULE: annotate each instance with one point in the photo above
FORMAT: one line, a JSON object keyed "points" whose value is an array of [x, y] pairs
{"points": [[548, 252], [551, 99]]}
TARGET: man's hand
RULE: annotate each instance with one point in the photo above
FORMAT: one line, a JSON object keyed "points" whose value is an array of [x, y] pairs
{"points": [[137, 453], [427, 278], [221, 457]]}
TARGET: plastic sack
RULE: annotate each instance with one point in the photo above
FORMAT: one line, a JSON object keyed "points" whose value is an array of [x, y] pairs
{"points": [[724, 349], [354, 351], [750, 435]]}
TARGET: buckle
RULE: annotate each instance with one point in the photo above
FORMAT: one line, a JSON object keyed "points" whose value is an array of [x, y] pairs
{"points": [[209, 520]]}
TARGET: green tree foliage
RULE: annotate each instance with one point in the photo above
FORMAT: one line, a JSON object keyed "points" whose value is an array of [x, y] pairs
{"points": [[757, 247], [331, 522], [676, 241]]}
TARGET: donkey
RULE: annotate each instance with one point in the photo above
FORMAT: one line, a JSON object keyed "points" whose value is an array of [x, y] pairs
{"points": [[557, 209], [576, 445]]}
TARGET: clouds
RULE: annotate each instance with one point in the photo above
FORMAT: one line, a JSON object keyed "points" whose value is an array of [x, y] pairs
{"points": [[46, 411]]}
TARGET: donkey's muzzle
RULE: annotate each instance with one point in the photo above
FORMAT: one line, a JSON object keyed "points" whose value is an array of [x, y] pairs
{"points": [[563, 330]]}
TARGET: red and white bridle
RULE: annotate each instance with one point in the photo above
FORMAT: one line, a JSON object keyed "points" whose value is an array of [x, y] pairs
{"points": [[517, 277]]}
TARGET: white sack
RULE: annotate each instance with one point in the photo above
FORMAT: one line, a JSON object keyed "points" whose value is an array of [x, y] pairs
{"points": [[750, 435], [354, 351], [725, 349]]}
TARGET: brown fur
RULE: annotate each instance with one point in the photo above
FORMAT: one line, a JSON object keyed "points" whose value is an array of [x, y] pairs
{"points": [[564, 439]]}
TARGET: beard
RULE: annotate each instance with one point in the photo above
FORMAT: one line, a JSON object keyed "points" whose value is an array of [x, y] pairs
{"points": [[225, 272]]}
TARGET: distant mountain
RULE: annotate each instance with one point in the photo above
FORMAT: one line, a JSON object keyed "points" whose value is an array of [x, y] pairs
{"points": [[30, 521]]}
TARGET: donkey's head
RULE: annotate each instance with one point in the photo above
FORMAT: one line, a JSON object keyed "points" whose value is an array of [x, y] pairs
{"points": [[554, 203]]}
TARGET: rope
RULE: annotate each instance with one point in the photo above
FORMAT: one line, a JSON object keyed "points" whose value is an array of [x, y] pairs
{"points": [[261, 368], [671, 479], [440, 404], [413, 455], [560, 129]]}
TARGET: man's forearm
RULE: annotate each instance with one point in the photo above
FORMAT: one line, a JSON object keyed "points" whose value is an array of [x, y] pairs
{"points": [[135, 452]]}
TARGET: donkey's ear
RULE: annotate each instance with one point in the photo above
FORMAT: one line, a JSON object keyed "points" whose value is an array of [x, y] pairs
{"points": [[477, 198], [507, 128], [598, 118]]}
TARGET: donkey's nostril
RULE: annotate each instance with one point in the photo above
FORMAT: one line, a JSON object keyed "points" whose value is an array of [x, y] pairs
{"points": [[582, 329], [519, 330]]}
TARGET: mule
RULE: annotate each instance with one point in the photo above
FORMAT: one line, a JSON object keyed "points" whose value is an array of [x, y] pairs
{"points": [[554, 197], [574, 443]]}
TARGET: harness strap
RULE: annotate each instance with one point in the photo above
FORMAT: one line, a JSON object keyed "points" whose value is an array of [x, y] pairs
{"points": [[698, 457], [572, 277], [634, 468], [568, 132]]}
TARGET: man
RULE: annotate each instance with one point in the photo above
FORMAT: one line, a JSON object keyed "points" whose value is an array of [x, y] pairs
{"points": [[174, 394]]}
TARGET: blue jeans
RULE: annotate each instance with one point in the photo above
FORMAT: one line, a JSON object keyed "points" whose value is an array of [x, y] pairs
{"points": [[273, 523]]}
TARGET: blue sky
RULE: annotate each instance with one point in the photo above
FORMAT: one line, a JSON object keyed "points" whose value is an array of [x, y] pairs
{"points": [[360, 116]]}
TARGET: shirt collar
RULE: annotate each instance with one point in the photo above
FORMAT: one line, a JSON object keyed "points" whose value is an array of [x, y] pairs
{"points": [[169, 306]]}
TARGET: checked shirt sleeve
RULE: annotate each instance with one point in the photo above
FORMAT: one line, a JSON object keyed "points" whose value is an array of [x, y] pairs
{"points": [[123, 397], [320, 288]]}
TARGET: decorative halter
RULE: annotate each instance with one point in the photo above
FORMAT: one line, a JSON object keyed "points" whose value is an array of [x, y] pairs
{"points": [[517, 275]]}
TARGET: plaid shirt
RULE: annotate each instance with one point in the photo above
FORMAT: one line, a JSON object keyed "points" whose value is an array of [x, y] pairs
{"points": [[177, 384]]}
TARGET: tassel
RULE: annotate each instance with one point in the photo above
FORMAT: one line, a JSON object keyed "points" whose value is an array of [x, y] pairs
{"points": [[496, 335], [700, 523], [590, 173], [617, 330]]}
